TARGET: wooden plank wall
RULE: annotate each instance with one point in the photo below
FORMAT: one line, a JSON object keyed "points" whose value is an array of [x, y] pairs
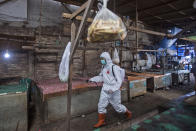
{"points": [[16, 65], [45, 65]]}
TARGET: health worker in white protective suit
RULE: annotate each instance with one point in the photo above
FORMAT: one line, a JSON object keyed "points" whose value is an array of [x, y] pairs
{"points": [[110, 93]]}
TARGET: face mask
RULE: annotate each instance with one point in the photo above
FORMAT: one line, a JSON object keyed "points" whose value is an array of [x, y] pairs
{"points": [[103, 62]]}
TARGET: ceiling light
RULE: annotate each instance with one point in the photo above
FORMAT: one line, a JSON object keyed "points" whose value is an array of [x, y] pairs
{"points": [[7, 55]]}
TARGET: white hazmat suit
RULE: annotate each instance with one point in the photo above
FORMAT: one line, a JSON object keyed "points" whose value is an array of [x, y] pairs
{"points": [[110, 92]]}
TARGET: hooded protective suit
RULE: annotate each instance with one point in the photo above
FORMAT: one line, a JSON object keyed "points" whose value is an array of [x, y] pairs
{"points": [[110, 83]]}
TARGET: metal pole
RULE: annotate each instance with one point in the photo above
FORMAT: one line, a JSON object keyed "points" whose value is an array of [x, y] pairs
{"points": [[136, 23], [40, 20], [136, 32]]}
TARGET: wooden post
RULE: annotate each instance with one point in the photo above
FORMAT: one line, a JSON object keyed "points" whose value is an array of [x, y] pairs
{"points": [[163, 62], [84, 59], [31, 65], [81, 27], [35, 67], [77, 12], [156, 57], [73, 35], [74, 44]]}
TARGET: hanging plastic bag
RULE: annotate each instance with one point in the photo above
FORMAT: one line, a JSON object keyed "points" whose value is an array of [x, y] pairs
{"points": [[153, 57], [149, 61], [64, 66], [116, 58], [106, 26]]}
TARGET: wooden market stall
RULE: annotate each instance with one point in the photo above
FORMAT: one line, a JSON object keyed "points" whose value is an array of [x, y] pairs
{"points": [[14, 101], [137, 86], [51, 98], [155, 81]]}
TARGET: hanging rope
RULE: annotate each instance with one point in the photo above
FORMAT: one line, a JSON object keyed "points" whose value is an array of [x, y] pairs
{"points": [[40, 20]]}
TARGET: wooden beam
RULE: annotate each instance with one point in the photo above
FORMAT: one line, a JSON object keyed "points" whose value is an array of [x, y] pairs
{"points": [[17, 37], [77, 12], [81, 27], [142, 50], [68, 16], [37, 50], [137, 29], [28, 47], [73, 35], [149, 31], [187, 39], [55, 49]]}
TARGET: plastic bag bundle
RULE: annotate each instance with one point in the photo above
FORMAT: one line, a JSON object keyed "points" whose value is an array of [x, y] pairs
{"points": [[64, 66], [116, 58], [149, 61], [153, 57], [106, 26]]}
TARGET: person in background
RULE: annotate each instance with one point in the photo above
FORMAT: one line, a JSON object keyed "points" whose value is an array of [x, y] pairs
{"points": [[193, 70], [110, 93]]}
